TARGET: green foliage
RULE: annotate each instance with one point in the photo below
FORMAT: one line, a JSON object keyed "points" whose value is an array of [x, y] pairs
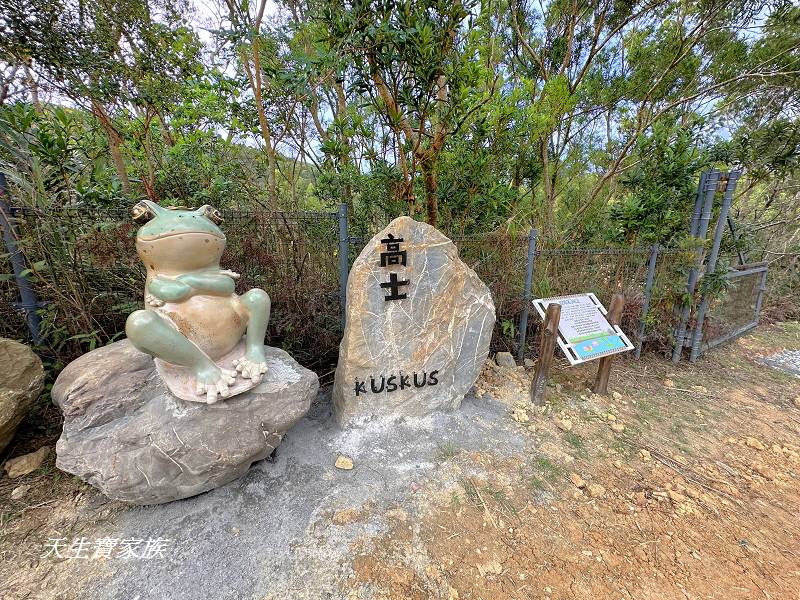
{"points": [[488, 118], [662, 186]]}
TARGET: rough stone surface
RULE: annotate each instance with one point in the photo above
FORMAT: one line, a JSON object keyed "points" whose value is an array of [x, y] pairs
{"points": [[271, 533], [440, 332], [18, 493], [27, 463], [344, 463], [128, 436], [504, 359], [21, 381]]}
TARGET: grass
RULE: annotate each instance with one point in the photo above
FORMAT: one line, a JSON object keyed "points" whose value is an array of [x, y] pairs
{"points": [[445, 451], [577, 443], [478, 497]]}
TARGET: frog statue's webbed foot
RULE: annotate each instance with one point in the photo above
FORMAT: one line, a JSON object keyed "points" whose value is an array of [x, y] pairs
{"points": [[213, 384], [252, 369], [153, 334], [253, 364]]}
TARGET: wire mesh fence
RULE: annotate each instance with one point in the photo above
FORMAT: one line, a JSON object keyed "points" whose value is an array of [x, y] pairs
{"points": [[88, 278], [736, 309]]}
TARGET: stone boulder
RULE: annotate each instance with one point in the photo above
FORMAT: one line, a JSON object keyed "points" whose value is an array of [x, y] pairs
{"points": [[125, 434], [21, 382], [422, 348]]}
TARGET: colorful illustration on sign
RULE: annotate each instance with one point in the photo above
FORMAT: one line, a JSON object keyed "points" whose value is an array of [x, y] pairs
{"points": [[600, 346], [584, 332]]}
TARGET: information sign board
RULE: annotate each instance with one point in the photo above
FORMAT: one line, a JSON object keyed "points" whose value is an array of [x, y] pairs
{"points": [[584, 333]]}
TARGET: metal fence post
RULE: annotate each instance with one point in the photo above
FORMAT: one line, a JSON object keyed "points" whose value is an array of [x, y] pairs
{"points": [[710, 182], [697, 334], [526, 294], [762, 287], [344, 261], [648, 292], [28, 301]]}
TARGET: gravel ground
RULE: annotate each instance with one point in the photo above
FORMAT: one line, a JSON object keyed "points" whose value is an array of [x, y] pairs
{"points": [[788, 361], [273, 532]]}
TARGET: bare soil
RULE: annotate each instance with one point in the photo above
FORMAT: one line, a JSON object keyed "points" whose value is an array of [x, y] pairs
{"points": [[697, 497], [682, 483]]}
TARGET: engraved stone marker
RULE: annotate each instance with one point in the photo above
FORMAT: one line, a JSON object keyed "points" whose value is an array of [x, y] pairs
{"points": [[419, 323]]}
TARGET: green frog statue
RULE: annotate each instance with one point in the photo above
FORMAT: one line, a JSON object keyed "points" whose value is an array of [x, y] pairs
{"points": [[208, 341]]}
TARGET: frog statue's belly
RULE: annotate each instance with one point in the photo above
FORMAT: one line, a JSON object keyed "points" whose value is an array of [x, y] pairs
{"points": [[215, 324]]}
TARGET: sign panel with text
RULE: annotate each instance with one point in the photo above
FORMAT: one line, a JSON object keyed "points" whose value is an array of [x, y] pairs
{"points": [[584, 333]]}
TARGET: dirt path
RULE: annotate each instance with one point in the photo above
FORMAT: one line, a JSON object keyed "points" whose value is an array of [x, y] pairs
{"points": [[682, 484]]}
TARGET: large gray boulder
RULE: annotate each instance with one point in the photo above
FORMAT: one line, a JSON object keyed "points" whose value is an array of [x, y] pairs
{"points": [[409, 356], [21, 382], [125, 434]]}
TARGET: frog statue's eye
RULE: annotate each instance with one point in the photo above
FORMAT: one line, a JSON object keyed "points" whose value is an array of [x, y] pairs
{"points": [[210, 213], [142, 213]]}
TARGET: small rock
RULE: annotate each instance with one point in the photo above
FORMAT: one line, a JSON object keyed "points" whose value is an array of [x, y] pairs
{"points": [[492, 567], [617, 464], [640, 499], [797, 401], [577, 480], [611, 417], [676, 496], [558, 388], [616, 396], [504, 359], [529, 364], [344, 463], [19, 491], [765, 471], [755, 443], [564, 424], [669, 383], [532, 428], [699, 388], [617, 427], [644, 454], [346, 516], [519, 415], [27, 463], [596, 490], [452, 594]]}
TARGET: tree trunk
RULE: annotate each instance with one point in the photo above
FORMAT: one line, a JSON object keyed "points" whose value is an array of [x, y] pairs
{"points": [[272, 167], [114, 145], [431, 187], [254, 77]]}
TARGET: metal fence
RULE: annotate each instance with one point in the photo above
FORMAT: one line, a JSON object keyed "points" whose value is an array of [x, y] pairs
{"points": [[82, 267], [737, 310]]}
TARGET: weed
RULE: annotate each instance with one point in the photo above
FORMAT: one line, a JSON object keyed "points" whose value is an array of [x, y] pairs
{"points": [[549, 470], [577, 443], [445, 451]]}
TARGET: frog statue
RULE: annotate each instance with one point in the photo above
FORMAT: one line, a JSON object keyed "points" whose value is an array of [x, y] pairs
{"points": [[194, 322]]}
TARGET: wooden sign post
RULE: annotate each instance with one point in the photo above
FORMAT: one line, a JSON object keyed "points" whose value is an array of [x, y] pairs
{"points": [[546, 348], [614, 317], [584, 331]]}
